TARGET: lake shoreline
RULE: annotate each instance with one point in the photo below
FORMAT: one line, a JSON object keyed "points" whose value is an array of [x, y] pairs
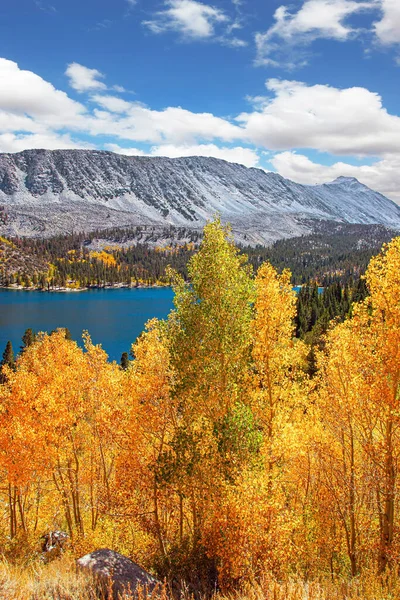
{"points": [[117, 286], [113, 319]]}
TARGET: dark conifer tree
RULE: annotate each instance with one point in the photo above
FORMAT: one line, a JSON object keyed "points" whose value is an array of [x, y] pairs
{"points": [[28, 339], [68, 335], [124, 361], [8, 359]]}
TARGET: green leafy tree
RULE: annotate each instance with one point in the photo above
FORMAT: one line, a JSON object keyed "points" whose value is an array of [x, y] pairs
{"points": [[210, 327], [209, 337]]}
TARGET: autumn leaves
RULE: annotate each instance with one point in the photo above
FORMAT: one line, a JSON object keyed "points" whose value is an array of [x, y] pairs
{"points": [[214, 452]]}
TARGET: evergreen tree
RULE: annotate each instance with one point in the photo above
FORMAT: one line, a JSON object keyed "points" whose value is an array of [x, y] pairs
{"points": [[124, 361], [68, 335], [28, 339], [8, 355], [8, 360]]}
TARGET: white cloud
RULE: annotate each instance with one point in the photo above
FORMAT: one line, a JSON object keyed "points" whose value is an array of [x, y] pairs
{"points": [[124, 151], [383, 175], [83, 79], [243, 156], [232, 42], [112, 103], [29, 103], [327, 19], [134, 121], [44, 7], [190, 18], [11, 142], [25, 93], [293, 115], [340, 121], [238, 154], [387, 29]]}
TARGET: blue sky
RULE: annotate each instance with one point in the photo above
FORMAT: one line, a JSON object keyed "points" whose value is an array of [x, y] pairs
{"points": [[308, 88]]}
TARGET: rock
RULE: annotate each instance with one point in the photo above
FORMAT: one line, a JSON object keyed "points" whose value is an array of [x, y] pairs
{"points": [[53, 544], [50, 192], [116, 574]]}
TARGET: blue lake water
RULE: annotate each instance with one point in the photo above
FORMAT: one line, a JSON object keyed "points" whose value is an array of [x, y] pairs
{"points": [[114, 318]]}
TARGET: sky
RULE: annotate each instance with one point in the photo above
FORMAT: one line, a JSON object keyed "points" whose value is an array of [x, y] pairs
{"points": [[307, 88]]}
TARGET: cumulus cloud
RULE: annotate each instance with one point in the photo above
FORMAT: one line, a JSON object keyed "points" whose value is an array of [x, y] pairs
{"points": [[29, 103], [238, 154], [83, 79], [387, 30], [383, 175], [188, 17], [11, 142], [25, 93], [135, 121], [321, 117], [328, 19], [195, 20], [125, 151], [292, 115], [112, 103]]}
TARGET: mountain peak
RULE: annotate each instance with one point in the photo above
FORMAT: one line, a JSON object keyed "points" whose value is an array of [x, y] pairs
{"points": [[43, 193], [342, 179]]}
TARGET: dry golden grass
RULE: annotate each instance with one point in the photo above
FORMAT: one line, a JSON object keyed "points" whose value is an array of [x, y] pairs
{"points": [[369, 588], [59, 580]]}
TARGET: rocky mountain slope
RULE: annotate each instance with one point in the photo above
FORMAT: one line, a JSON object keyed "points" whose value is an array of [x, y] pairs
{"points": [[47, 192]]}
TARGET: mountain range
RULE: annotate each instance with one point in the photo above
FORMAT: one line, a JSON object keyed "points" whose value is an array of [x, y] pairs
{"points": [[43, 193]]}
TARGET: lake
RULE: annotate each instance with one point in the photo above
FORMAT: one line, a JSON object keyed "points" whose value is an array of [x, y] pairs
{"points": [[114, 318]]}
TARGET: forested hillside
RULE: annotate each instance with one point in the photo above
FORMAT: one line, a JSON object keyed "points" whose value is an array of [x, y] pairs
{"points": [[218, 458], [141, 255], [335, 253], [109, 257]]}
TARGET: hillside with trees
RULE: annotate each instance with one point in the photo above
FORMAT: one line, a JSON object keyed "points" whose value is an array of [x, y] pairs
{"points": [[141, 256], [217, 458]]}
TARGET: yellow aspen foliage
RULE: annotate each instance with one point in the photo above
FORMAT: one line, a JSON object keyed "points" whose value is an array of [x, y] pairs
{"points": [[253, 526], [57, 415], [152, 421], [278, 357], [213, 459], [209, 340], [361, 377], [105, 257], [339, 448], [280, 386], [210, 328]]}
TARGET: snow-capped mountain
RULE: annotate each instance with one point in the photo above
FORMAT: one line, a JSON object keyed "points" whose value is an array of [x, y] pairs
{"points": [[47, 192]]}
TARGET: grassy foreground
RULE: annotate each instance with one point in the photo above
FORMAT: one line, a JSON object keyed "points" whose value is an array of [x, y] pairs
{"points": [[60, 581], [57, 580]]}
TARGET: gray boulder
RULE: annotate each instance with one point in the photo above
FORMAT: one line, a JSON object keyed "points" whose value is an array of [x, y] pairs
{"points": [[116, 575]]}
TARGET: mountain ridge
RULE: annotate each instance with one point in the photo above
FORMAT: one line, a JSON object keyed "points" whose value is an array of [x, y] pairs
{"points": [[43, 192]]}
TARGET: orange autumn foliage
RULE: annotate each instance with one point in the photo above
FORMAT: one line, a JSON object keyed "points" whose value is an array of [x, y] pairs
{"points": [[214, 457]]}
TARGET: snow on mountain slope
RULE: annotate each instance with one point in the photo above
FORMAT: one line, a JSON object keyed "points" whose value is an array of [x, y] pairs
{"points": [[46, 192]]}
